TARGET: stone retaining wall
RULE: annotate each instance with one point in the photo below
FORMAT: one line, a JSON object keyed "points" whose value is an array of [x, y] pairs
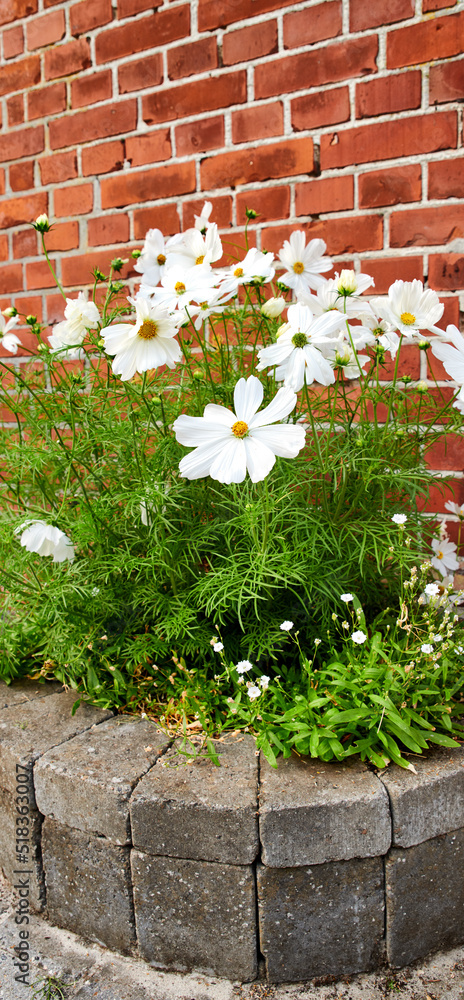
{"points": [[321, 869]]}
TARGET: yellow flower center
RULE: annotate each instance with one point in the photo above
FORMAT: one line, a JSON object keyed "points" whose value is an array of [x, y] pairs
{"points": [[179, 287], [238, 272], [378, 331], [439, 555], [298, 267], [200, 259], [240, 429], [148, 330], [300, 339], [408, 319], [161, 259]]}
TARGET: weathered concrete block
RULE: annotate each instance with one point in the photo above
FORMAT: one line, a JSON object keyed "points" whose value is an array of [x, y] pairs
{"points": [[428, 803], [311, 812], [196, 915], [87, 782], [323, 920], [25, 690], [29, 729], [425, 898], [200, 811], [88, 885], [9, 861]]}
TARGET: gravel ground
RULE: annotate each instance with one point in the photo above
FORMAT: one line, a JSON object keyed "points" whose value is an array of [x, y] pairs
{"points": [[90, 971]]}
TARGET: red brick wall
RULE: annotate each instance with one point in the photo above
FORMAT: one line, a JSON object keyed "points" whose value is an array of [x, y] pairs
{"points": [[342, 117]]}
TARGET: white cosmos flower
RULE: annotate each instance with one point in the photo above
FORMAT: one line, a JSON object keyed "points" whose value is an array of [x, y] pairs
{"points": [[409, 308], [155, 252], [256, 266], [359, 637], [452, 358], [297, 352], [227, 445], [195, 249], [202, 220], [147, 343], [455, 508], [444, 558], [80, 316], [10, 341], [46, 540], [182, 285], [304, 264]]}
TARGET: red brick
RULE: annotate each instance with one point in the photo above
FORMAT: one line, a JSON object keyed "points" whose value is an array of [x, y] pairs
{"points": [[446, 272], [57, 168], [389, 94], [15, 109], [408, 363], [163, 217], [63, 236], [447, 454], [77, 271], [97, 123], [25, 142], [148, 185], [46, 101], [151, 148], [25, 244], [13, 42], [14, 76], [328, 194], [4, 253], [13, 10], [328, 107], [250, 43], [446, 82], [390, 187], [140, 74], [103, 159], [221, 213], [436, 38], [339, 61], [427, 226], [22, 176], [11, 278], [375, 13], [446, 179], [258, 123], [195, 57], [430, 5], [315, 24], [389, 140], [2, 182], [127, 8], [85, 16], [195, 97], [62, 60], [219, 13], [386, 270], [346, 235], [451, 313], [38, 275], [285, 159], [108, 229], [146, 33], [271, 204], [46, 29], [200, 136], [91, 89], [75, 200], [15, 211]]}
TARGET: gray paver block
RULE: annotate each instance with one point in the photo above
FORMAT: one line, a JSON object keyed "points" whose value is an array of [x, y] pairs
{"points": [[312, 812], [430, 802], [25, 690], [87, 782], [200, 811], [29, 729], [88, 885], [321, 920], [196, 915], [425, 898], [8, 861]]}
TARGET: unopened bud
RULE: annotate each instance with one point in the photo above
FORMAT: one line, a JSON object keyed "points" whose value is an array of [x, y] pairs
{"points": [[42, 224], [273, 307]]}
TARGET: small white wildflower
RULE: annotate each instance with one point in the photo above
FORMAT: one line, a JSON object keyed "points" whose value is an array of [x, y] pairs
{"points": [[459, 649], [218, 647], [437, 637], [264, 682], [95, 591], [426, 647], [286, 626], [432, 589], [399, 518], [254, 692], [345, 624], [243, 666], [317, 642], [359, 637], [346, 597]]}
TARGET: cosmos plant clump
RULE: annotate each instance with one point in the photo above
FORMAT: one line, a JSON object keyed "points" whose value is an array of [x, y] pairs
{"points": [[215, 500]]}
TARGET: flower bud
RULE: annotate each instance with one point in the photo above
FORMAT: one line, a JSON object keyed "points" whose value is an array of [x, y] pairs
{"points": [[347, 282], [30, 320], [136, 254], [10, 311], [42, 224], [273, 307], [250, 213]]}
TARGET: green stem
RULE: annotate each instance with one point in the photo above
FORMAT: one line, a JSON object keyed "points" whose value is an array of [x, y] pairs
{"points": [[52, 271]]}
